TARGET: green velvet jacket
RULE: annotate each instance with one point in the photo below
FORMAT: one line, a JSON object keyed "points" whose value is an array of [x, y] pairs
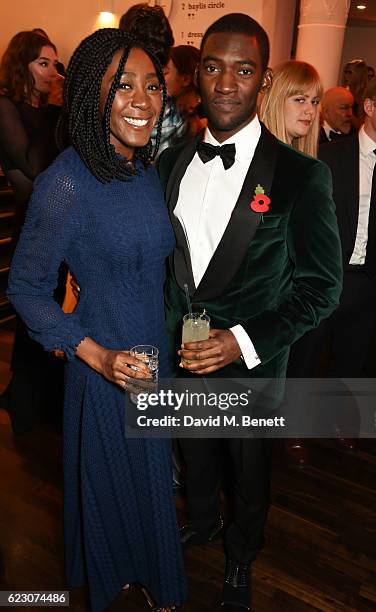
{"points": [[277, 274]]}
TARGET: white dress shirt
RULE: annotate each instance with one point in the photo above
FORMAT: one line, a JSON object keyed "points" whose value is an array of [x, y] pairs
{"points": [[328, 128], [208, 194], [367, 160]]}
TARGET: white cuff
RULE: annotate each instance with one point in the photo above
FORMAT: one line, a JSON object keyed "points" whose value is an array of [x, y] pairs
{"points": [[249, 354]]}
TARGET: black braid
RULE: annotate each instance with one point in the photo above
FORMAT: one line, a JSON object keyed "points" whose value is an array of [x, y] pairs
{"points": [[146, 153], [81, 124], [110, 150]]}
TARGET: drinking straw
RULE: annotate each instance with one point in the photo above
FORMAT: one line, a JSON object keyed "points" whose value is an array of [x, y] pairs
{"points": [[187, 298]]}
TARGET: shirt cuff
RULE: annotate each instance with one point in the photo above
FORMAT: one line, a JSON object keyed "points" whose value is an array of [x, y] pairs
{"points": [[249, 354]]}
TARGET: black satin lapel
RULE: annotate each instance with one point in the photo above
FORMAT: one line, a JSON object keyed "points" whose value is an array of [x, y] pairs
{"points": [[182, 265], [352, 191], [243, 222]]}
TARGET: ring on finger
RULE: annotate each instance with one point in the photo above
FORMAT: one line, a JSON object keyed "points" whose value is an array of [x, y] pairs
{"points": [[130, 366]]}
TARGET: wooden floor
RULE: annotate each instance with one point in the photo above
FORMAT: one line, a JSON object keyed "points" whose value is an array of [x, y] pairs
{"points": [[321, 537]]}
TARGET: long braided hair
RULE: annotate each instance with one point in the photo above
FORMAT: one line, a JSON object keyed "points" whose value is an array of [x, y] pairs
{"points": [[81, 124]]}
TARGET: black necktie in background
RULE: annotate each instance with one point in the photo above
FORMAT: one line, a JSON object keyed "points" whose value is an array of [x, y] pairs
{"points": [[370, 261], [335, 135], [226, 152]]}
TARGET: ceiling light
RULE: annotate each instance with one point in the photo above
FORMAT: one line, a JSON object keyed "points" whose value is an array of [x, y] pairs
{"points": [[361, 7]]}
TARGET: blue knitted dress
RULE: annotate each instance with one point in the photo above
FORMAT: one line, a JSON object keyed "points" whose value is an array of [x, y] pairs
{"points": [[120, 523]]}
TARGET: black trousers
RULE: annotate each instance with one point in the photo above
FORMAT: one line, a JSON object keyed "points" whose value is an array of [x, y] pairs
{"points": [[350, 328], [341, 345], [250, 483]]}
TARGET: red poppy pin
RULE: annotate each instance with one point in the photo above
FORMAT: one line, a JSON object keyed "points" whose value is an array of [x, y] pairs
{"points": [[260, 202]]}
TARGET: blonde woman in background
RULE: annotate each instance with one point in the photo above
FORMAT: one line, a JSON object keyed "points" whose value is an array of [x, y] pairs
{"points": [[289, 108]]}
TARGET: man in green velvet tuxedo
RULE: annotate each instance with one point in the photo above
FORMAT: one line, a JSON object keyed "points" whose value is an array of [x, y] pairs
{"points": [[258, 247]]}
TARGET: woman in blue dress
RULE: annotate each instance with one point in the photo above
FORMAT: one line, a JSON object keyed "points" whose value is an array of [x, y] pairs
{"points": [[99, 208]]}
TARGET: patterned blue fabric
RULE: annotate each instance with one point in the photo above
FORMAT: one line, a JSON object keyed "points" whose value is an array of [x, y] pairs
{"points": [[120, 523], [174, 127]]}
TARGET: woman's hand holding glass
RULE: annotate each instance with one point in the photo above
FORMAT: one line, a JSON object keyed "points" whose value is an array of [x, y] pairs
{"points": [[120, 366]]}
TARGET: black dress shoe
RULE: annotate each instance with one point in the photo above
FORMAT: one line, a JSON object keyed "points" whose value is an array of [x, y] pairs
{"points": [[190, 537], [296, 452], [237, 590], [346, 444]]}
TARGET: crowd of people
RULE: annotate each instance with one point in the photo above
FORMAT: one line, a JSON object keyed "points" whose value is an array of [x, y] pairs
{"points": [[212, 161]]}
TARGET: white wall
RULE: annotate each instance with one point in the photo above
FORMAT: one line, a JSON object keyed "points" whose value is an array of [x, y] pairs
{"points": [[278, 20], [359, 43], [190, 18], [67, 22]]}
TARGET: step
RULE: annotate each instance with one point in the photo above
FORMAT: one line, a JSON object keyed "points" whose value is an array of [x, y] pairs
{"points": [[6, 195], [4, 270], [6, 310], [5, 257], [6, 214]]}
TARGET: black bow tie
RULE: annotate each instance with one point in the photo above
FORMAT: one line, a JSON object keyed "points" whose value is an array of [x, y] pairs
{"points": [[226, 152], [335, 135]]}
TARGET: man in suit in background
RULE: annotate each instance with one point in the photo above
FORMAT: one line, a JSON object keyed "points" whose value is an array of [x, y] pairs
{"points": [[265, 266], [352, 162], [336, 108]]}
